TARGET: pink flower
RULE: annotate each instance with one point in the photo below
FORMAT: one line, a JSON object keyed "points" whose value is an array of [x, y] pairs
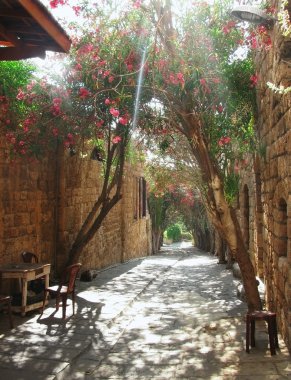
{"points": [[55, 131], [114, 112], [129, 67], [203, 82], [123, 120], [20, 95], [220, 108], [78, 67], [107, 101], [254, 80], [111, 79], [180, 78], [137, 4], [116, 139], [99, 123], [216, 80], [55, 3], [57, 101], [224, 140], [77, 10], [31, 85], [84, 93], [228, 27], [173, 79]]}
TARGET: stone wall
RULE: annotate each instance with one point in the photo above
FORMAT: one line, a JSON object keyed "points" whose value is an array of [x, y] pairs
{"points": [[265, 196], [43, 205]]}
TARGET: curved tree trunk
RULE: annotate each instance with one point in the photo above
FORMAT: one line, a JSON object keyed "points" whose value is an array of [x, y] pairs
{"points": [[109, 197], [222, 215], [191, 125]]}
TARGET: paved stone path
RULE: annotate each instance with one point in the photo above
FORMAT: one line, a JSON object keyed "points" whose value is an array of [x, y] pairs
{"points": [[169, 316]]}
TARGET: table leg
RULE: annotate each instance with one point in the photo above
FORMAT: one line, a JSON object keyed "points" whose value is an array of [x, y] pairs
{"points": [[47, 278], [24, 297]]}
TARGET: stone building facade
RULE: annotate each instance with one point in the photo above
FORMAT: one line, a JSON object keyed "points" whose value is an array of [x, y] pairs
{"points": [[265, 196], [43, 205]]}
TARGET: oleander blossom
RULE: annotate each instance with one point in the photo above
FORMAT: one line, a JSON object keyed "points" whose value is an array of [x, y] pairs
{"points": [[116, 139], [114, 112]]}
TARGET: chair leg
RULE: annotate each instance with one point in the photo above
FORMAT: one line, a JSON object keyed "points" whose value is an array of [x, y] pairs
{"points": [[64, 305], [73, 301], [58, 298], [271, 336], [253, 331], [44, 300], [275, 332], [247, 334]]}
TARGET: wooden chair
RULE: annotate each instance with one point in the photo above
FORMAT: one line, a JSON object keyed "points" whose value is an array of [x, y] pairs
{"points": [[64, 289], [270, 318], [36, 286], [6, 300], [29, 257]]}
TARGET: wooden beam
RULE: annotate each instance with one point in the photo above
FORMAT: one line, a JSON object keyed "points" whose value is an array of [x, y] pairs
{"points": [[14, 13], [43, 17], [9, 36], [6, 43], [16, 53]]}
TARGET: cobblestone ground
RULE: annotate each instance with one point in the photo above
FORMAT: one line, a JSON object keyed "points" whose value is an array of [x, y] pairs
{"points": [[170, 316]]}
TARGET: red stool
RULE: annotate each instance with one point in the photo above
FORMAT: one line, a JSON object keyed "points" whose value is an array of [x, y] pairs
{"points": [[270, 318]]}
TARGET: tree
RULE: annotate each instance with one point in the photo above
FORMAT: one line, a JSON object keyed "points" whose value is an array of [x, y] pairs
{"points": [[140, 55], [80, 105], [188, 61]]}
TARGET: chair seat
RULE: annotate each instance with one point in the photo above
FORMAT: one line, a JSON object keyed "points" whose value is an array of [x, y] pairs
{"points": [[270, 318], [261, 314], [56, 289]]}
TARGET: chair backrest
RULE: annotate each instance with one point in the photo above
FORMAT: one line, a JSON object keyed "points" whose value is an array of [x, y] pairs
{"points": [[29, 257], [69, 276]]}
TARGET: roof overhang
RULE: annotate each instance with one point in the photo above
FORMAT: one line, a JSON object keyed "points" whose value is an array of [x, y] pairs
{"points": [[27, 30]]}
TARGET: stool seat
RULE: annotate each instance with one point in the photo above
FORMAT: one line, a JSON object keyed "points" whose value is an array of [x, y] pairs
{"points": [[270, 318]]}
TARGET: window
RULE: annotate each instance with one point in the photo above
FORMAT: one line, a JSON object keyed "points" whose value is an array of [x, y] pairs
{"points": [[140, 198]]}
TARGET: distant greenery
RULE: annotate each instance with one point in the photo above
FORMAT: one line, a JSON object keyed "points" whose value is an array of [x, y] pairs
{"points": [[174, 232]]}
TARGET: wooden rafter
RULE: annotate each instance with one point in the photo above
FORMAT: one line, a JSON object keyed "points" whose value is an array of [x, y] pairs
{"points": [[27, 29]]}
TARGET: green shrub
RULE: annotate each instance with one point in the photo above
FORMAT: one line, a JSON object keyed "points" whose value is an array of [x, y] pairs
{"points": [[174, 232], [186, 235]]}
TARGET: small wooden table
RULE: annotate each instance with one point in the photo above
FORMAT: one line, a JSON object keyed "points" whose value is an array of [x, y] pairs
{"points": [[26, 272]]}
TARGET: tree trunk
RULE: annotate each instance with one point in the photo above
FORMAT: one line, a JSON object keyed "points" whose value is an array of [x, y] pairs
{"points": [[156, 239], [222, 215], [220, 248]]}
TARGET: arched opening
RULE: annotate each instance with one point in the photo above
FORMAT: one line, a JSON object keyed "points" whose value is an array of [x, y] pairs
{"points": [[246, 216]]}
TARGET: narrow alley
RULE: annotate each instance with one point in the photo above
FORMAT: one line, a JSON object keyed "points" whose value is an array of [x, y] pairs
{"points": [[170, 316]]}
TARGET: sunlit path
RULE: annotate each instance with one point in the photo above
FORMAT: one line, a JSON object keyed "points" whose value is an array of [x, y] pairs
{"points": [[170, 316], [187, 323]]}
